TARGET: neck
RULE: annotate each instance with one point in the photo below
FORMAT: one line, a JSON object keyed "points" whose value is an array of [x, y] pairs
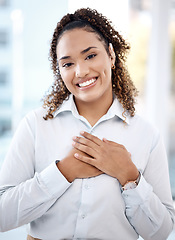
{"points": [[93, 111]]}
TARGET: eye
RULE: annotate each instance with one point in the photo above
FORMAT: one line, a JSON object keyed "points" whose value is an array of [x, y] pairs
{"points": [[91, 56], [66, 65]]}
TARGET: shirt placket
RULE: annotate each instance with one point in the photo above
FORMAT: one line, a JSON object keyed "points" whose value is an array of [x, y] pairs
{"points": [[81, 230], [86, 201]]}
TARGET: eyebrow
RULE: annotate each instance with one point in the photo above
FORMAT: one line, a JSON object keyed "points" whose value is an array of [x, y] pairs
{"points": [[82, 52], [86, 50]]}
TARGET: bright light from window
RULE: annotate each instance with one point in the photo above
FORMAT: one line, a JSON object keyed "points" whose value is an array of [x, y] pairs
{"points": [[114, 10]]}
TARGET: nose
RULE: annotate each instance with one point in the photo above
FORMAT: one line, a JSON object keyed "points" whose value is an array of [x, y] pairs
{"points": [[81, 70]]}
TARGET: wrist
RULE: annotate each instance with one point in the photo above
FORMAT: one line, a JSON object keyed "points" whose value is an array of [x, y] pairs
{"points": [[65, 170], [130, 177], [131, 184]]}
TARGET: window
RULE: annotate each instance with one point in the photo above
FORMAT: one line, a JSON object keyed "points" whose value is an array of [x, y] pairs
{"points": [[173, 4], [140, 5], [4, 3], [5, 125], [3, 78], [3, 38]]}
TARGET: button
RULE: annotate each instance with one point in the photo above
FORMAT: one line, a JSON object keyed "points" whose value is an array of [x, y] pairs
{"points": [[86, 187], [83, 216]]}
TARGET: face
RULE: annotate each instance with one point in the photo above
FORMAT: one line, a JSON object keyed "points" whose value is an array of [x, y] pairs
{"points": [[85, 66]]}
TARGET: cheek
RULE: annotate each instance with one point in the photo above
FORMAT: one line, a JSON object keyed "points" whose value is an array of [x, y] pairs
{"points": [[104, 66], [66, 77], [100, 68], [107, 72]]}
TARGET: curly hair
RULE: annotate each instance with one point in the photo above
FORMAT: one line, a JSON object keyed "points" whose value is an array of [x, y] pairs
{"points": [[92, 21]]}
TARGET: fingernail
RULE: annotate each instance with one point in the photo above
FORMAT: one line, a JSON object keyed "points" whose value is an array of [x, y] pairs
{"points": [[74, 138], [76, 154], [82, 132]]}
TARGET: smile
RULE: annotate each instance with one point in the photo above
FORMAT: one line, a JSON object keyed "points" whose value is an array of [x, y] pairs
{"points": [[87, 83]]}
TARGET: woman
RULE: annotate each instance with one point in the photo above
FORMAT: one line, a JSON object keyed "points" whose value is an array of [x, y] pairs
{"points": [[86, 166]]}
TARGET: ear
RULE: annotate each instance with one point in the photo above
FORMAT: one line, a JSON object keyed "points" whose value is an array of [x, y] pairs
{"points": [[112, 53]]}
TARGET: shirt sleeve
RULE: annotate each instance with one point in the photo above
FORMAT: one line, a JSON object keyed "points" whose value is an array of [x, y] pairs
{"points": [[149, 207], [26, 195]]}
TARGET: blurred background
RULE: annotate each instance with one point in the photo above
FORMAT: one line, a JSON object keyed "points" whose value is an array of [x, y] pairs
{"points": [[26, 28]]}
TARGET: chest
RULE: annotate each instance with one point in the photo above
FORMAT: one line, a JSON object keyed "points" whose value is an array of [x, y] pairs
{"points": [[54, 140]]}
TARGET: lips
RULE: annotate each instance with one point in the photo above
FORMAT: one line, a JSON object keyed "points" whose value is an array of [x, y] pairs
{"points": [[87, 83]]}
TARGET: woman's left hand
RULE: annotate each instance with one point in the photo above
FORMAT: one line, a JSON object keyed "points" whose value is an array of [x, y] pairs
{"points": [[109, 157]]}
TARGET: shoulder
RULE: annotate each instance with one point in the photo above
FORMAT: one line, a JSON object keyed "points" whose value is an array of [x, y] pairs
{"points": [[33, 119], [141, 123], [36, 115], [144, 128]]}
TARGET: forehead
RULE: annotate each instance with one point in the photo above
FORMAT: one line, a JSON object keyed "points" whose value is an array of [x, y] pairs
{"points": [[77, 40]]}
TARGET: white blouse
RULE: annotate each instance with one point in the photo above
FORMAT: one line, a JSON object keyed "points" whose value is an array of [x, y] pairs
{"points": [[33, 191]]}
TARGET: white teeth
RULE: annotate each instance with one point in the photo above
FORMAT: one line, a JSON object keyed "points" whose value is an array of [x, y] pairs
{"points": [[85, 84]]}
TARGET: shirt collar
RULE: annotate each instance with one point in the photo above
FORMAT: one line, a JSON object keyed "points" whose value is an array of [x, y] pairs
{"points": [[116, 109], [68, 105]]}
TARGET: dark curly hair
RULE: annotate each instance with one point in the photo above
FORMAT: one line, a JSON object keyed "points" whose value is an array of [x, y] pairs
{"points": [[92, 21]]}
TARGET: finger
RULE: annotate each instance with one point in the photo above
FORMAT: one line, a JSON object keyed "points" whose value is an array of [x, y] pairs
{"points": [[85, 142], [113, 143], [91, 138], [86, 149], [110, 142], [85, 159]]}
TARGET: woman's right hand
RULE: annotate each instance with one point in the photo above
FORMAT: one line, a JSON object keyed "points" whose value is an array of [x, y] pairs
{"points": [[72, 168]]}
